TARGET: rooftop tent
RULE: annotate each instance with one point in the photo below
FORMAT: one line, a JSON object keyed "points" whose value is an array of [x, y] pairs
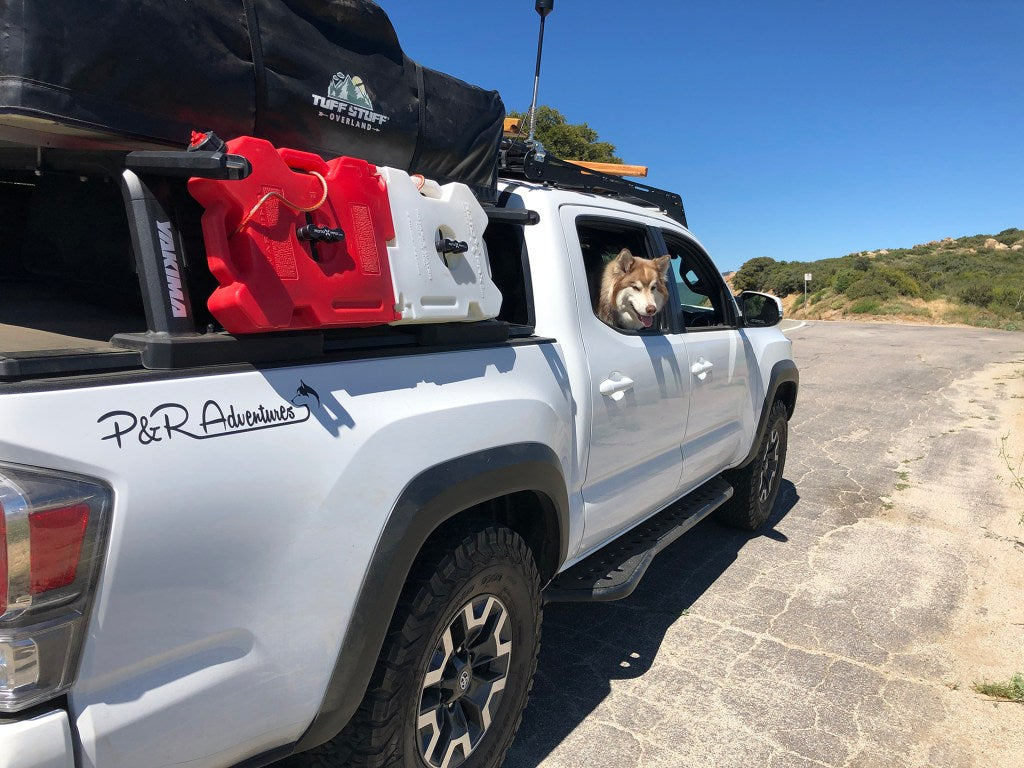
{"points": [[325, 76]]}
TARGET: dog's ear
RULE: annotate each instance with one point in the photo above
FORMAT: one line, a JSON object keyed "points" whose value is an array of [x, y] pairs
{"points": [[624, 260], [662, 264]]}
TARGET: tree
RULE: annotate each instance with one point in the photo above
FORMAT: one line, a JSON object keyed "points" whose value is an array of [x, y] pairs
{"points": [[755, 274], [570, 141]]}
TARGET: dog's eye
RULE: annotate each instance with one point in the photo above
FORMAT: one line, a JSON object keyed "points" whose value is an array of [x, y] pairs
{"points": [[637, 286]]}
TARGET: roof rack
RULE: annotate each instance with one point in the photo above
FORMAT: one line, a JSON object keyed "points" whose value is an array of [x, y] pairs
{"points": [[518, 159]]}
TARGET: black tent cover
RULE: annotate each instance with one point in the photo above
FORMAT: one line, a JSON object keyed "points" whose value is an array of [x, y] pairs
{"points": [[325, 76]]}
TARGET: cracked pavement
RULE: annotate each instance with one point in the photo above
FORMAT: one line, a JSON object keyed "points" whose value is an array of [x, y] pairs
{"points": [[848, 632]]}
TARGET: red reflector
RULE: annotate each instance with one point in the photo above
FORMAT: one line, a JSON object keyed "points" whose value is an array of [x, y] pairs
{"points": [[55, 536], [3, 561]]}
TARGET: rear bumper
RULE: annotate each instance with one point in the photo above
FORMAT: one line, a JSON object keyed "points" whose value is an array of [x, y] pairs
{"points": [[43, 741]]}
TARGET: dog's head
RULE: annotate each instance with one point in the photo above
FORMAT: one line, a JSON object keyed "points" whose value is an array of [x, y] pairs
{"points": [[636, 289]]}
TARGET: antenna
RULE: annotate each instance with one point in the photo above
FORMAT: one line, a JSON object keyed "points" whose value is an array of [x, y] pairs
{"points": [[543, 7]]}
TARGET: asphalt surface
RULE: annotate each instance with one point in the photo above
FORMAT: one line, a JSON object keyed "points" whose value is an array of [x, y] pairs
{"points": [[839, 635]]}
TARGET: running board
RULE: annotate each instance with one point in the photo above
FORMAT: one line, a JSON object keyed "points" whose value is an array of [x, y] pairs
{"points": [[614, 571]]}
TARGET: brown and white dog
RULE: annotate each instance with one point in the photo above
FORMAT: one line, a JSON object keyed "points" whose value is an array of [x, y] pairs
{"points": [[633, 290]]}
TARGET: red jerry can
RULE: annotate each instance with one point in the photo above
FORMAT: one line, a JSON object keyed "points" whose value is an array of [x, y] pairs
{"points": [[276, 272]]}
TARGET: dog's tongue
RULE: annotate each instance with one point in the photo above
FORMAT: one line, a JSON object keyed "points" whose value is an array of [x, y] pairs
{"points": [[647, 320]]}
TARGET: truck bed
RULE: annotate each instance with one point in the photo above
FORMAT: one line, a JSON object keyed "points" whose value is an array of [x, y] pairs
{"points": [[34, 319]]}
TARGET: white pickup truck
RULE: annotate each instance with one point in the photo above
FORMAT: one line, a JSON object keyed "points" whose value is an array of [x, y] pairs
{"points": [[221, 551]]}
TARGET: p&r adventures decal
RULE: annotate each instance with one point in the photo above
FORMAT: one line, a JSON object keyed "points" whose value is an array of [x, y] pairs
{"points": [[215, 419]]}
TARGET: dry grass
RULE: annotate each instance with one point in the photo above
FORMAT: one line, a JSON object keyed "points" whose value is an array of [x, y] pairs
{"points": [[826, 305], [1012, 690]]}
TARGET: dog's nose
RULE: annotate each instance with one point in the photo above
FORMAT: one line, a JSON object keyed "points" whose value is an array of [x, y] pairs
{"points": [[651, 309]]}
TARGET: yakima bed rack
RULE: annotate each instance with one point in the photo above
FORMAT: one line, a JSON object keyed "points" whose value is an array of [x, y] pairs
{"points": [[519, 159]]}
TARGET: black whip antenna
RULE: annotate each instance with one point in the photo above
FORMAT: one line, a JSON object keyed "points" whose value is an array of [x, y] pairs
{"points": [[543, 7]]}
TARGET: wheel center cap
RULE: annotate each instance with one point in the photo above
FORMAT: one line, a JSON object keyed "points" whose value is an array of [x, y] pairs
{"points": [[464, 680]]}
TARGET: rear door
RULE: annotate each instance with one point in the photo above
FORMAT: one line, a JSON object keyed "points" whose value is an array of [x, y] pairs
{"points": [[720, 411], [639, 386]]}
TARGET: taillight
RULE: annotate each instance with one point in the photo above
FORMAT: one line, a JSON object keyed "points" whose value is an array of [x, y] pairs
{"points": [[56, 537], [52, 535]]}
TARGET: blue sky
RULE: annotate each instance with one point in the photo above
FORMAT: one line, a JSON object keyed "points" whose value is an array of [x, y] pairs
{"points": [[793, 129]]}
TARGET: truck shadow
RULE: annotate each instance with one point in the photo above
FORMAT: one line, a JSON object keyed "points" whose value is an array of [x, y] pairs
{"points": [[587, 646]]}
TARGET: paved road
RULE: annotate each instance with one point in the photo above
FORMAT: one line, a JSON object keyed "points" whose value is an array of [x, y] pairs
{"points": [[838, 636]]}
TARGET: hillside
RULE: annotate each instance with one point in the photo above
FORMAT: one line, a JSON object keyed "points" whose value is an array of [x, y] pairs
{"points": [[976, 280]]}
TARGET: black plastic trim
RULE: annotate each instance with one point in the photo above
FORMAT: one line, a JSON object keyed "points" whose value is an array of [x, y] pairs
{"points": [[615, 570], [158, 351], [524, 255], [259, 68], [158, 254], [62, 362], [37, 710], [342, 353], [524, 217], [482, 332], [784, 371], [186, 164], [269, 757], [184, 350], [433, 497]]}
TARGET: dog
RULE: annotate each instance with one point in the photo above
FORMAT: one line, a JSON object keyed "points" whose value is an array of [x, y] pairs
{"points": [[633, 290]]}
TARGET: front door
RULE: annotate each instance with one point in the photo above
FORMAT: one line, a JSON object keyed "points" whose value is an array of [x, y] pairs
{"points": [[721, 412]]}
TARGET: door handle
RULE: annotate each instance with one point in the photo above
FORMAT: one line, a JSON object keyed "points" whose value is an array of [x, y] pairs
{"points": [[615, 386], [701, 368]]}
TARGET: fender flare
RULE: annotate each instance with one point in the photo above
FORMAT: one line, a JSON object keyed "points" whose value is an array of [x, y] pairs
{"points": [[784, 382], [431, 498]]}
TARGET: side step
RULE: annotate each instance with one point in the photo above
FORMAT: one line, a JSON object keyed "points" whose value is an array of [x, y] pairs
{"points": [[614, 571]]}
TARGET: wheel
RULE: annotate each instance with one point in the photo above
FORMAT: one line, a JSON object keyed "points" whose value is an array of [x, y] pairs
{"points": [[457, 664], [756, 485]]}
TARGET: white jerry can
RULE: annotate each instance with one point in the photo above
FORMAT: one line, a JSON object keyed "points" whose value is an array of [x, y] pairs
{"points": [[438, 258]]}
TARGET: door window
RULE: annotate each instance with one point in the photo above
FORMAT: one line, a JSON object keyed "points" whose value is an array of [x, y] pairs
{"points": [[601, 243], [703, 297]]}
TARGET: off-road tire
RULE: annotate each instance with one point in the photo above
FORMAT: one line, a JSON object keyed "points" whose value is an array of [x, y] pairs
{"points": [[756, 486], [487, 561]]}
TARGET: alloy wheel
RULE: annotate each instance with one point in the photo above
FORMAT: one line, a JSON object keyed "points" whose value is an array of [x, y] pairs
{"points": [[464, 681], [769, 467]]}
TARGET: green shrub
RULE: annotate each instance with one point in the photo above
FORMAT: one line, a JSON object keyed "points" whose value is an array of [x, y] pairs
{"points": [[785, 282], [884, 282], [754, 274], [1009, 298], [844, 279], [978, 294], [903, 283], [871, 285], [865, 307], [1009, 236]]}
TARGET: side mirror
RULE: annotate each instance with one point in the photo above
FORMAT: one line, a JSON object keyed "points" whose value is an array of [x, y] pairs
{"points": [[760, 310]]}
